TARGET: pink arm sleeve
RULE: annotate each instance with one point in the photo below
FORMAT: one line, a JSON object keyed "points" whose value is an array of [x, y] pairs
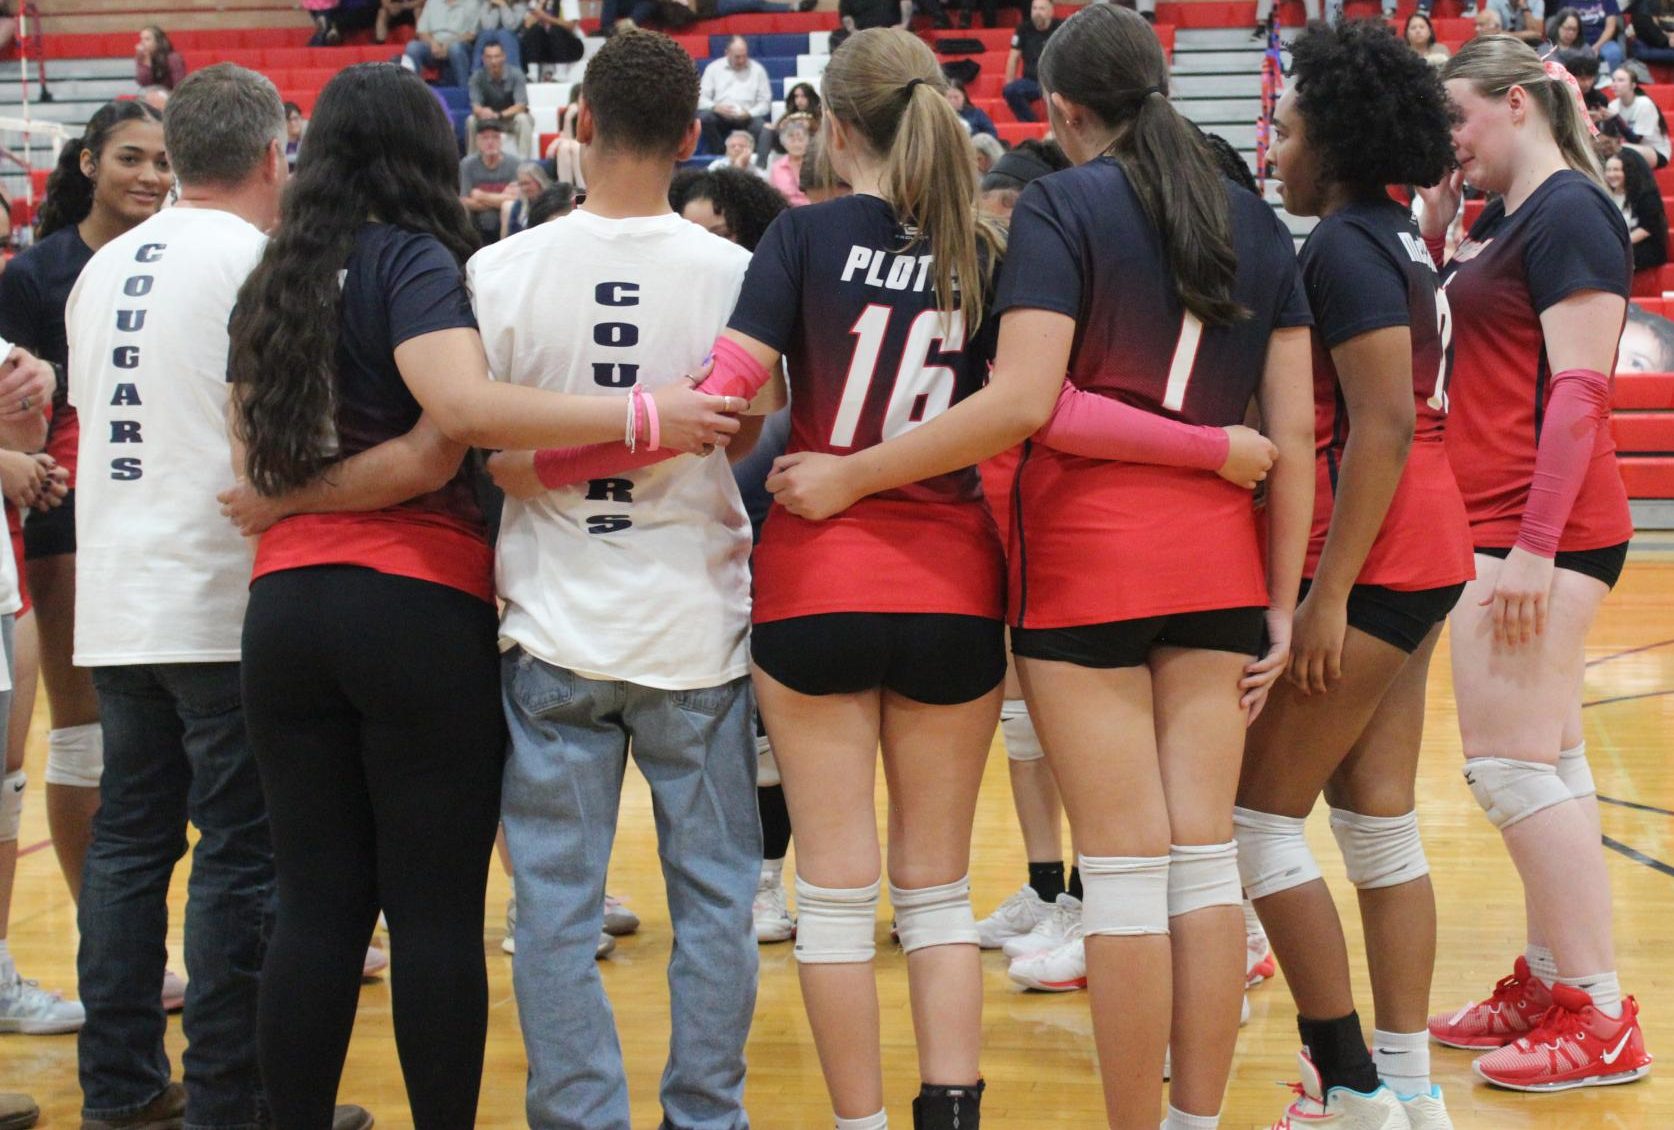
{"points": [[1577, 408], [1101, 427]]}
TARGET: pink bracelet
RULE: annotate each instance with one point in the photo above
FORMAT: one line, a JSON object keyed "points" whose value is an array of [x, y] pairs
{"points": [[653, 424]]}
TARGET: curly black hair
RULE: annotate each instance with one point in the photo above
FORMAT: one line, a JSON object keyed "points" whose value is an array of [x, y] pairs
{"points": [[1376, 111], [643, 91], [745, 201]]}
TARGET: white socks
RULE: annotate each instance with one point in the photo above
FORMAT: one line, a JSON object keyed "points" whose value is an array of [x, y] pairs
{"points": [[774, 869], [1403, 1061], [1180, 1120], [1541, 962], [1252, 920], [1605, 990], [878, 1121], [8, 971]]}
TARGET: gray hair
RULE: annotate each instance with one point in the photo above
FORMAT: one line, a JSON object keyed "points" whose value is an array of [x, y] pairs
{"points": [[219, 124], [537, 170]]}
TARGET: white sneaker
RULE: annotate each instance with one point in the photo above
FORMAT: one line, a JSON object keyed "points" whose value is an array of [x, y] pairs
{"points": [[174, 991], [1341, 1109], [376, 962], [1427, 1112], [1014, 918], [1050, 932], [1259, 964], [1059, 970], [607, 945], [30, 1010], [508, 944], [618, 919], [772, 913]]}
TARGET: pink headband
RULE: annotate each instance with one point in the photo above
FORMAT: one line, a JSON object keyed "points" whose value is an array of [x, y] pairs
{"points": [[1557, 72]]}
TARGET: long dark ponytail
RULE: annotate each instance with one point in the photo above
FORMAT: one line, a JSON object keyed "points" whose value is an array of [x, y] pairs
{"points": [[377, 148], [69, 191], [1107, 59]]}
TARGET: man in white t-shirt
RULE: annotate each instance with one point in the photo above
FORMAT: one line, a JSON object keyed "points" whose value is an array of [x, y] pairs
{"points": [[626, 612], [161, 578]]}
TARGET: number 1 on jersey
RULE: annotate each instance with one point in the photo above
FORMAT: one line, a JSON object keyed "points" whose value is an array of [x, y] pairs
{"points": [[921, 390], [1185, 357]]}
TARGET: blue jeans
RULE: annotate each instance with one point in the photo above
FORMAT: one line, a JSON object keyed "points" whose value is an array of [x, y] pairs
{"points": [[457, 57], [746, 7], [1020, 95], [175, 750], [570, 738], [1610, 56], [506, 39]]}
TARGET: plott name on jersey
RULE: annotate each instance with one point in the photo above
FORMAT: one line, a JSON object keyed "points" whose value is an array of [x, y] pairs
{"points": [[891, 272], [613, 334], [127, 468]]}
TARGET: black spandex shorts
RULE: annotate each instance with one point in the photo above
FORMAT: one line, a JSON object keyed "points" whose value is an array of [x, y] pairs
{"points": [[935, 658], [1399, 618], [1600, 564], [52, 533], [1128, 643]]}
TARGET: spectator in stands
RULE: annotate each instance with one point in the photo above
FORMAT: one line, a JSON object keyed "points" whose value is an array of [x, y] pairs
{"points": [[974, 119], [1518, 18], [531, 182], [1489, 21], [554, 202], [485, 180], [1648, 40], [324, 15], [1022, 89], [499, 91], [157, 97], [740, 155], [1583, 64], [392, 12], [156, 62], [803, 99], [785, 173], [858, 15], [501, 21], [1643, 127], [1563, 30], [1635, 192], [1005, 182], [726, 203], [446, 30], [564, 154], [294, 125], [735, 94], [987, 149], [1599, 27], [1421, 37], [552, 35]]}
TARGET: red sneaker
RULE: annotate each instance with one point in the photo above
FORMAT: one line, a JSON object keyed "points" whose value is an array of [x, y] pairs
{"points": [[1575, 1045], [1510, 1012]]}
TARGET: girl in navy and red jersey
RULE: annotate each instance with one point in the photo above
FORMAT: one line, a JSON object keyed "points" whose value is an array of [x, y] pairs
{"points": [[115, 176], [1389, 555], [1138, 598], [1538, 291]]}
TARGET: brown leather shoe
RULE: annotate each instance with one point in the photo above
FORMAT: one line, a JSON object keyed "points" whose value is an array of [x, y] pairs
{"points": [[18, 1112], [351, 1118], [165, 1112]]}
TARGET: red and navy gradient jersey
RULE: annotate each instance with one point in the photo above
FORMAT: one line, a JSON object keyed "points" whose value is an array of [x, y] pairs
{"points": [[840, 290], [1366, 268], [1567, 237], [1095, 541]]}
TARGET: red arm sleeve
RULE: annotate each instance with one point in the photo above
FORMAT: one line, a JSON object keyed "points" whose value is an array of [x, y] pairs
{"points": [[1101, 427], [1577, 408]]}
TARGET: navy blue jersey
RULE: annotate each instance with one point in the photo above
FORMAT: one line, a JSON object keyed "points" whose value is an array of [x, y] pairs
{"points": [[835, 288], [1081, 245], [33, 292]]}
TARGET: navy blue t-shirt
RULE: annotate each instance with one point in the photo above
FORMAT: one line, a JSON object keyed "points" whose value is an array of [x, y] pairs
{"points": [[1593, 13], [33, 292], [1082, 245]]}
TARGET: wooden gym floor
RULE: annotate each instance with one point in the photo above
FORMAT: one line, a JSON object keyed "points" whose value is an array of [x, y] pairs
{"points": [[1038, 1056]]}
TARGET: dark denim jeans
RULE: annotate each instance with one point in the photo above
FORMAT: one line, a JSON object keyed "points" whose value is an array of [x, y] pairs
{"points": [[175, 751]]}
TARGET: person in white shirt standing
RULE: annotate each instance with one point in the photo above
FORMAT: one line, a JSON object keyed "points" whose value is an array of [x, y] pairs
{"points": [[735, 94], [626, 610], [159, 610]]}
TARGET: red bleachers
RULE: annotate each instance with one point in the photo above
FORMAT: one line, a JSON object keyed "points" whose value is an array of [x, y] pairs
{"points": [[1013, 132], [1642, 421]]}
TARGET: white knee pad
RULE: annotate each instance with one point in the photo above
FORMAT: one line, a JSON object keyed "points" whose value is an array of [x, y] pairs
{"points": [[767, 769], [1379, 851], [1201, 876], [934, 916], [834, 925], [11, 805], [1124, 895], [1273, 853], [76, 756], [1018, 730], [1509, 791], [1575, 773]]}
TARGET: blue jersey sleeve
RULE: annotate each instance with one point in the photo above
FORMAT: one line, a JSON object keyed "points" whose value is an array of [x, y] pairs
{"points": [[1043, 266], [425, 288], [1576, 241], [770, 301], [1352, 283]]}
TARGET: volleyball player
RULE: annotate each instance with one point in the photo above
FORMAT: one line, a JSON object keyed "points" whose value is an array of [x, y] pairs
{"points": [[112, 178], [1389, 555], [1138, 600], [1538, 291]]}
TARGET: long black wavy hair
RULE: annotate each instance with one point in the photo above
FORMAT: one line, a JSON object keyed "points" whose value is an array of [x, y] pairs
{"points": [[69, 191], [748, 203], [378, 148]]}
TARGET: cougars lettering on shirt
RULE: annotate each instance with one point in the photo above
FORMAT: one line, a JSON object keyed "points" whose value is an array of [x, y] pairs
{"points": [[842, 291], [1366, 268], [1097, 541], [1566, 238]]}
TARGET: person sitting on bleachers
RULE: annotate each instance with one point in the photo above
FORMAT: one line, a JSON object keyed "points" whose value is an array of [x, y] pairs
{"points": [[1021, 89], [563, 156], [735, 94], [486, 180], [532, 180], [501, 21], [500, 91], [974, 119], [324, 15], [392, 12], [446, 30], [294, 125], [156, 62], [1643, 127], [740, 155], [1635, 192], [552, 35], [785, 172], [987, 151], [859, 15]]}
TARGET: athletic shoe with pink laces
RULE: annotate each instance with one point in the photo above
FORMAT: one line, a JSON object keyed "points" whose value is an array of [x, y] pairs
{"points": [[1574, 1045], [1059, 970], [1510, 1012], [1258, 960], [1340, 1108]]}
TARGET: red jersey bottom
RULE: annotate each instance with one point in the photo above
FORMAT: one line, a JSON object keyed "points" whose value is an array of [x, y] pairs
{"points": [[63, 438], [998, 475], [1425, 542], [1600, 517], [881, 555], [14, 526], [1098, 541], [403, 543]]}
